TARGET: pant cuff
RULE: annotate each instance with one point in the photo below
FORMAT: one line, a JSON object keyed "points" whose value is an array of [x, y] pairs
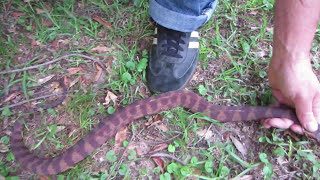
{"points": [[178, 21]]}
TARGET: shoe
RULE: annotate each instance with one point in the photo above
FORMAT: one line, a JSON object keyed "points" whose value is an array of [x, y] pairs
{"points": [[173, 59]]}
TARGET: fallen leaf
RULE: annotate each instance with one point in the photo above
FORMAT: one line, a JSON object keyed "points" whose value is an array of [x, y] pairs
{"points": [[239, 146], [244, 177], [158, 147], [292, 134], [100, 49], [72, 71], [269, 29], [17, 14], [75, 81], [36, 43], [253, 12], [7, 7], [47, 23], [226, 135], [48, 8], [121, 135], [101, 21], [159, 162], [44, 177], [3, 148], [161, 126], [143, 93], [207, 134], [140, 147], [60, 128], [101, 34], [99, 73], [12, 30], [45, 79], [64, 41], [40, 11], [12, 96], [110, 97]]}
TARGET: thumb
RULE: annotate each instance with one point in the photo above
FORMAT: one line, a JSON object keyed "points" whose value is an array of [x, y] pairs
{"points": [[305, 114]]}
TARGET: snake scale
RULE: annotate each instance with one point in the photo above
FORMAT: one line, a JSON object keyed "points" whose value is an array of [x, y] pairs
{"points": [[107, 128]]}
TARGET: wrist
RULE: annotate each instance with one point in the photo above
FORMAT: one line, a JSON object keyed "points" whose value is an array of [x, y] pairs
{"points": [[289, 56]]}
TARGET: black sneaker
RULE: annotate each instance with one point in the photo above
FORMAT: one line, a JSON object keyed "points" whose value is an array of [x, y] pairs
{"points": [[173, 59]]}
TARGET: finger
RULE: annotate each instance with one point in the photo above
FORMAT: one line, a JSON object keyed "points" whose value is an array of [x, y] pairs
{"points": [[296, 128], [316, 108], [281, 98], [305, 115], [265, 123], [281, 123]]}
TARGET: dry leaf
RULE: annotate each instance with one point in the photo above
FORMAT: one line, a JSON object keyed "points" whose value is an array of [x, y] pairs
{"points": [[47, 23], [159, 162], [292, 134], [17, 14], [60, 128], [72, 71], [140, 147], [75, 81], [3, 148], [64, 41], [158, 147], [36, 43], [48, 8], [121, 135], [44, 177], [143, 93], [110, 96], [244, 177], [101, 34], [12, 96], [100, 49], [45, 79], [239, 146], [99, 73], [162, 127], [207, 134], [101, 21], [40, 11]]}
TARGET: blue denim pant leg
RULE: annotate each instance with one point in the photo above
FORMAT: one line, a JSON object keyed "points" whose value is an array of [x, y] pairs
{"points": [[182, 15]]}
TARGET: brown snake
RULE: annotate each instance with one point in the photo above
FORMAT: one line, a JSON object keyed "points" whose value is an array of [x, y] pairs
{"points": [[107, 128]]}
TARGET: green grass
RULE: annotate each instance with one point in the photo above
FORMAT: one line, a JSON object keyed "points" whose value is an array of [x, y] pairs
{"points": [[235, 49]]}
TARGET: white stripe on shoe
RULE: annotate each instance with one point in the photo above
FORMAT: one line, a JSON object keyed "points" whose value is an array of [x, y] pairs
{"points": [[193, 45], [194, 34]]}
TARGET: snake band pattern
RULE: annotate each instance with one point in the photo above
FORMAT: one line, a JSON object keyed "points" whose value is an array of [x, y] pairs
{"points": [[107, 128]]}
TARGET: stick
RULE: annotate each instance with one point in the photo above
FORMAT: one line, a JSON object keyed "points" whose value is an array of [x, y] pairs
{"points": [[166, 156], [53, 61], [34, 99]]}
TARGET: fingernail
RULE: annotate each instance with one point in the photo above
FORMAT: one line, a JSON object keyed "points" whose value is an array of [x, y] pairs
{"points": [[312, 126]]}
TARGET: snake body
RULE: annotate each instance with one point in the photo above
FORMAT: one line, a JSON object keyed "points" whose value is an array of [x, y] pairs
{"points": [[107, 128]]}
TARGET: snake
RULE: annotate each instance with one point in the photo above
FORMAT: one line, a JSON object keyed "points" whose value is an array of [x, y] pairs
{"points": [[109, 126]]}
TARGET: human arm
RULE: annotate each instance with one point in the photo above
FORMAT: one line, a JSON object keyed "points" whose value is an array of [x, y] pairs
{"points": [[290, 72]]}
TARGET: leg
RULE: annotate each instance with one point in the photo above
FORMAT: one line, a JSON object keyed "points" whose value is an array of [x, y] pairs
{"points": [[175, 52]]}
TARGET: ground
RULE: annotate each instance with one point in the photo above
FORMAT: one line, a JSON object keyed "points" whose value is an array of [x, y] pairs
{"points": [[235, 49]]}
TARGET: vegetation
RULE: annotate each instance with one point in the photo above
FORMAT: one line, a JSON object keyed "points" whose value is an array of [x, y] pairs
{"points": [[235, 50]]}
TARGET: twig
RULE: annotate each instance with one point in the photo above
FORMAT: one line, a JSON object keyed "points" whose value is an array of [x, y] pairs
{"points": [[202, 136], [34, 99], [121, 158], [53, 61], [166, 156]]}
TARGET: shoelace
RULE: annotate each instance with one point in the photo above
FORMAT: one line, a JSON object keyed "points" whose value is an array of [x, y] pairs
{"points": [[174, 40]]}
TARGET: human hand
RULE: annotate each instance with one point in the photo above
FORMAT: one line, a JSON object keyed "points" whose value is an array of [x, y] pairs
{"points": [[294, 83]]}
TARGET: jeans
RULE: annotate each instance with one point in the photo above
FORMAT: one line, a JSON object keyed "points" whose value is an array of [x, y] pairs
{"points": [[182, 15]]}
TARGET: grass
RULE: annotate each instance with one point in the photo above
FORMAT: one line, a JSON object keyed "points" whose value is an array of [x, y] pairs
{"points": [[235, 50]]}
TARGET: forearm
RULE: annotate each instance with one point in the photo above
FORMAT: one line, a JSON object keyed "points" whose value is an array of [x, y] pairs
{"points": [[295, 25]]}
